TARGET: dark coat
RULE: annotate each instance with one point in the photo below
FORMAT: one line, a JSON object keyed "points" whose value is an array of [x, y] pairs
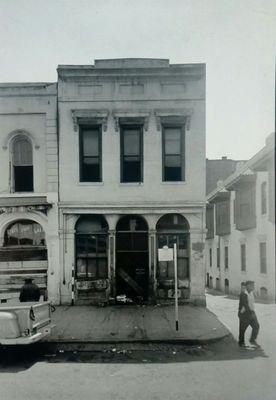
{"points": [[244, 311], [29, 292]]}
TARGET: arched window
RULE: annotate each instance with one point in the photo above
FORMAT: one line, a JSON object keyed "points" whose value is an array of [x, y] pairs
{"points": [[91, 247], [264, 198], [24, 240], [173, 228], [22, 164]]}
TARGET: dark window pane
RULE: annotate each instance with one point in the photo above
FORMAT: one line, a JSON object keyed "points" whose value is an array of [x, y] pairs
{"points": [[131, 171], [23, 178], [81, 267], [91, 267], [172, 174], [182, 268], [102, 268]]}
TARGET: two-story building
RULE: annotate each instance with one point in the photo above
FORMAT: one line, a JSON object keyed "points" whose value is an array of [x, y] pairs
{"points": [[97, 172], [131, 179], [29, 245], [240, 221]]}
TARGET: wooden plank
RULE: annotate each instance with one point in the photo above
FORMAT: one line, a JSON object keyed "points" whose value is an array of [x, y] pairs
{"points": [[130, 281]]}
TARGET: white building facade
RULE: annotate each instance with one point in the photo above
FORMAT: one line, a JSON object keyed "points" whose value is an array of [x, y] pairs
{"points": [[97, 172], [29, 245], [132, 179], [240, 219]]}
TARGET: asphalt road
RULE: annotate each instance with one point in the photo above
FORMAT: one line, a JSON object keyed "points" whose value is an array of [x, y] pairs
{"points": [[216, 371]]}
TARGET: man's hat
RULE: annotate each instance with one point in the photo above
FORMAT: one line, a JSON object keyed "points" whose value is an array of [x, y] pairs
{"points": [[28, 280], [249, 282]]}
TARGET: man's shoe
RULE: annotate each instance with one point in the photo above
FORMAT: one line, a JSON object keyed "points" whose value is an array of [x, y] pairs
{"points": [[254, 343], [242, 344]]}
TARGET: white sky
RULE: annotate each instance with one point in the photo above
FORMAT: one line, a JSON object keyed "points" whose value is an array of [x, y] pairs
{"points": [[236, 39]]}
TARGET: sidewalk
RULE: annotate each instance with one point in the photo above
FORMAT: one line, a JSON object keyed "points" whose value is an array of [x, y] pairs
{"points": [[130, 323]]}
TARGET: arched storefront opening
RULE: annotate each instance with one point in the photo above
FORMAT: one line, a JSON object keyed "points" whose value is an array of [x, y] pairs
{"points": [[132, 255], [91, 240], [91, 247], [173, 228], [23, 255]]}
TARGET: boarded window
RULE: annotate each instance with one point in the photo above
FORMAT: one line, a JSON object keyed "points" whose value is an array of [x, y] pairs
{"points": [[245, 207], [210, 221], [223, 217]]}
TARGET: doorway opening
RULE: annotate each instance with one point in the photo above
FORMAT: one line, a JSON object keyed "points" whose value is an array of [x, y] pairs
{"points": [[132, 255]]}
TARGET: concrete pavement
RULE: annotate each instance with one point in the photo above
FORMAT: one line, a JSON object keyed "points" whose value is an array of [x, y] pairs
{"points": [[129, 323]]}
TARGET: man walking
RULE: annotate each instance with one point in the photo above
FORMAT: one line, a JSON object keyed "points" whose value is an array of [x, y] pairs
{"points": [[247, 314]]}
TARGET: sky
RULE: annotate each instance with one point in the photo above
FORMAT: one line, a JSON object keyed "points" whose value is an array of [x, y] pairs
{"points": [[235, 38]]}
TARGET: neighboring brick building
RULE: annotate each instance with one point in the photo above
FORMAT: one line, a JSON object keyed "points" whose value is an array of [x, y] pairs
{"points": [[218, 170], [240, 219]]}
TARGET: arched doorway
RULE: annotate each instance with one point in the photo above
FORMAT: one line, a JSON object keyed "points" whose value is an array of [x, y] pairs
{"points": [[173, 228], [23, 255], [91, 239], [132, 258]]}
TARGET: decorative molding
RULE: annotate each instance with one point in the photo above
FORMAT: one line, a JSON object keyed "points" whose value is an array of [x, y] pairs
{"points": [[25, 209], [17, 132], [161, 114], [94, 116], [130, 113]]}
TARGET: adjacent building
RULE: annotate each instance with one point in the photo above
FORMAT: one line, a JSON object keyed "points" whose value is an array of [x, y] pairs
{"points": [[28, 189], [97, 172], [240, 221]]}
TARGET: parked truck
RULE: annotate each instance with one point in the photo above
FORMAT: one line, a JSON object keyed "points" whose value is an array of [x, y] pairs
{"points": [[25, 323]]}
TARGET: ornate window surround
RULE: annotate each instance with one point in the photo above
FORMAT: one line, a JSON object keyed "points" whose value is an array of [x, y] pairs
{"points": [[90, 116], [175, 115], [19, 132], [141, 116]]}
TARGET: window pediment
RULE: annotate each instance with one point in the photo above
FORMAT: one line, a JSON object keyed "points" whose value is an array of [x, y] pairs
{"points": [[90, 116], [175, 116], [139, 117]]}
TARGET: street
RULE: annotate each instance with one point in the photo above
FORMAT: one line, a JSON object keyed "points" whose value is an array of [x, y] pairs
{"points": [[150, 371]]}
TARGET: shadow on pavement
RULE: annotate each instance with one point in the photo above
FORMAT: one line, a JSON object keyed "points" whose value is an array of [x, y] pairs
{"points": [[13, 360]]}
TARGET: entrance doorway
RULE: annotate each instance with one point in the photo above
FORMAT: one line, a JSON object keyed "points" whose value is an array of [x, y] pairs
{"points": [[132, 256]]}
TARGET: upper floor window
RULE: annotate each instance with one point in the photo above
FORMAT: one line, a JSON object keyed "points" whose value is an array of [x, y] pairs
{"points": [[226, 257], [218, 257], [245, 208], [243, 257], [264, 198], [263, 258], [223, 226], [210, 257], [131, 153], [22, 164], [173, 149], [90, 154]]}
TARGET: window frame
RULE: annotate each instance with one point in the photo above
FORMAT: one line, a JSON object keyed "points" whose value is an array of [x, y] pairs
{"points": [[82, 128], [226, 257], [218, 257], [16, 166], [243, 257], [182, 150], [263, 256], [140, 128]]}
